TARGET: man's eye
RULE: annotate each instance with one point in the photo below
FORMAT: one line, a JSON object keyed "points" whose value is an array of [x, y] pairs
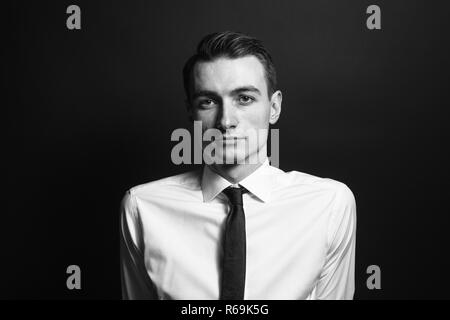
{"points": [[243, 99], [206, 103]]}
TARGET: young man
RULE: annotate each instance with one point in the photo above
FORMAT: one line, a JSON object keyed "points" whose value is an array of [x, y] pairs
{"points": [[239, 230]]}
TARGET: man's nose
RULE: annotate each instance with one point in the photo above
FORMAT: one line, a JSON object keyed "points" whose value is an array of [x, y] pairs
{"points": [[227, 118]]}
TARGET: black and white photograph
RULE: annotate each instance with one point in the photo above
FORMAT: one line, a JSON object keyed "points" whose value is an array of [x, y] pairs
{"points": [[204, 151]]}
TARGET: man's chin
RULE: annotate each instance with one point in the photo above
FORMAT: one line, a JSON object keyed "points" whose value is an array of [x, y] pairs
{"points": [[232, 160]]}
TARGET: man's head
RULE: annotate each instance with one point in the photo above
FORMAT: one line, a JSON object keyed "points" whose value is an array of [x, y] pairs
{"points": [[231, 45], [230, 85]]}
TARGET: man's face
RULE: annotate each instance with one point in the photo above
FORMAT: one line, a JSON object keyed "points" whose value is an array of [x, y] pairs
{"points": [[231, 95]]}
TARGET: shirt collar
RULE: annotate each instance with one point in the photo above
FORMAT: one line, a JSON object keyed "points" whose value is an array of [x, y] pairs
{"points": [[259, 183]]}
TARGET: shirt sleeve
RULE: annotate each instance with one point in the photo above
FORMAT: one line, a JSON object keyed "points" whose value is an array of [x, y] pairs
{"points": [[136, 283], [337, 279]]}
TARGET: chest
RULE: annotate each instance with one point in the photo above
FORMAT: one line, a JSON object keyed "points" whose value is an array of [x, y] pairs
{"points": [[286, 248]]}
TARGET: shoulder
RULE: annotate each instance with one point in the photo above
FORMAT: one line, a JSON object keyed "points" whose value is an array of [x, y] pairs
{"points": [[333, 194], [171, 187], [302, 181]]}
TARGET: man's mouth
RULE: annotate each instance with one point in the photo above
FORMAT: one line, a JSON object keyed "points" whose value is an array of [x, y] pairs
{"points": [[230, 138]]}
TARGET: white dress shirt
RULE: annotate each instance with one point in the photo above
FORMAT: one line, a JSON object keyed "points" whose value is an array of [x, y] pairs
{"points": [[300, 236]]}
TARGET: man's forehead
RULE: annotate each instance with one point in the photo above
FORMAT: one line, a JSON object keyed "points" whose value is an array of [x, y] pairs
{"points": [[223, 74]]}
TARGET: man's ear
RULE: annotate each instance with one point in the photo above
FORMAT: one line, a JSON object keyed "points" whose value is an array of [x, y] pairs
{"points": [[275, 106]]}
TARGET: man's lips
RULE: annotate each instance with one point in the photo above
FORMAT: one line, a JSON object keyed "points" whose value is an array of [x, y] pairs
{"points": [[230, 138]]}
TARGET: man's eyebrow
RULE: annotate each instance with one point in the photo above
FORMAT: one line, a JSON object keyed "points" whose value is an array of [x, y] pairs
{"points": [[204, 93], [245, 89], [209, 93]]}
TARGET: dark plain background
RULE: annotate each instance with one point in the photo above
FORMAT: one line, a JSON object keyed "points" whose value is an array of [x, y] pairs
{"points": [[91, 111]]}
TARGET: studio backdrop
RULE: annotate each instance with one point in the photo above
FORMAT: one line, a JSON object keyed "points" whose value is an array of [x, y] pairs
{"points": [[91, 109]]}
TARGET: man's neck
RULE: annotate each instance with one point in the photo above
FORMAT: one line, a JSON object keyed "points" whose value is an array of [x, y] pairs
{"points": [[235, 173]]}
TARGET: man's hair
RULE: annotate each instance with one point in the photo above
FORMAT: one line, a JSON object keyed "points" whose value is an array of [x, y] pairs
{"points": [[228, 44]]}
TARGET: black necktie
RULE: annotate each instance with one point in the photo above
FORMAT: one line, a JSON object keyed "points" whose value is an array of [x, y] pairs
{"points": [[233, 263]]}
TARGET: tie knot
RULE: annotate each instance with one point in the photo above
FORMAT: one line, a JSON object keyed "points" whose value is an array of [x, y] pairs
{"points": [[234, 195]]}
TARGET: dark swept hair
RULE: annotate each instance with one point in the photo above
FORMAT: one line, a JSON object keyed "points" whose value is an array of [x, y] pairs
{"points": [[231, 45]]}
